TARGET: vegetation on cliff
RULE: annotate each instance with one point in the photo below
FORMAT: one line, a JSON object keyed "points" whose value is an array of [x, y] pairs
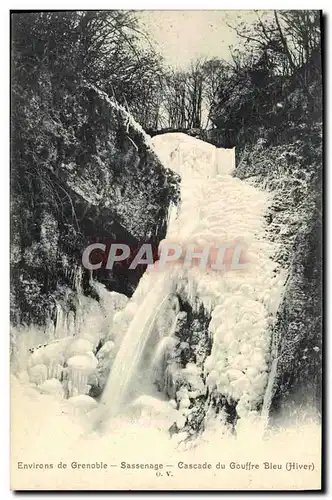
{"points": [[81, 166]]}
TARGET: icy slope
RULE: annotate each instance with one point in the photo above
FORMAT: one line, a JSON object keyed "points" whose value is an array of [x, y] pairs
{"points": [[216, 207], [186, 155]]}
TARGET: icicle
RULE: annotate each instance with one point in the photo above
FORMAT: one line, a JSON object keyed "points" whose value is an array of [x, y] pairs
{"points": [[38, 374], [80, 367], [59, 322]]}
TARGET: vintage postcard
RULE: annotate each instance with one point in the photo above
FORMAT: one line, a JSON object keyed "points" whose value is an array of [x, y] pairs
{"points": [[166, 250]]}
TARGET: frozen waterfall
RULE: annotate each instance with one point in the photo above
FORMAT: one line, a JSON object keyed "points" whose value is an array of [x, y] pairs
{"points": [[215, 207]]}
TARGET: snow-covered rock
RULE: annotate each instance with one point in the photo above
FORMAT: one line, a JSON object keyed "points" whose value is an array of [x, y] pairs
{"points": [[105, 350], [52, 387], [82, 404], [77, 347], [154, 409], [38, 374], [85, 363]]}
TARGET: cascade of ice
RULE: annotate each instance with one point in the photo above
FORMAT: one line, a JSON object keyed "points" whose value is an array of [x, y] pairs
{"points": [[215, 207], [132, 348], [129, 356]]}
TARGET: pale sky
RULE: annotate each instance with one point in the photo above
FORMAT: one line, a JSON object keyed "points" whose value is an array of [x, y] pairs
{"points": [[183, 35]]}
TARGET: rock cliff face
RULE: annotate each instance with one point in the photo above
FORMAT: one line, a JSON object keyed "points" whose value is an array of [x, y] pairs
{"points": [[299, 329], [82, 171], [292, 171]]}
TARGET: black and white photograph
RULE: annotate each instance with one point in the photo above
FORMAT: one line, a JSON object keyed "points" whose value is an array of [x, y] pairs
{"points": [[166, 241]]}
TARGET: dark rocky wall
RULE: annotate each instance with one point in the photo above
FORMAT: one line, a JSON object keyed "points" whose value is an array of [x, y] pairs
{"points": [[299, 327], [292, 171], [82, 171]]}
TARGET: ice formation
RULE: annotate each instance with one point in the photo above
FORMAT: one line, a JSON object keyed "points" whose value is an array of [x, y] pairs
{"points": [[219, 208], [138, 334], [66, 358], [215, 208]]}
